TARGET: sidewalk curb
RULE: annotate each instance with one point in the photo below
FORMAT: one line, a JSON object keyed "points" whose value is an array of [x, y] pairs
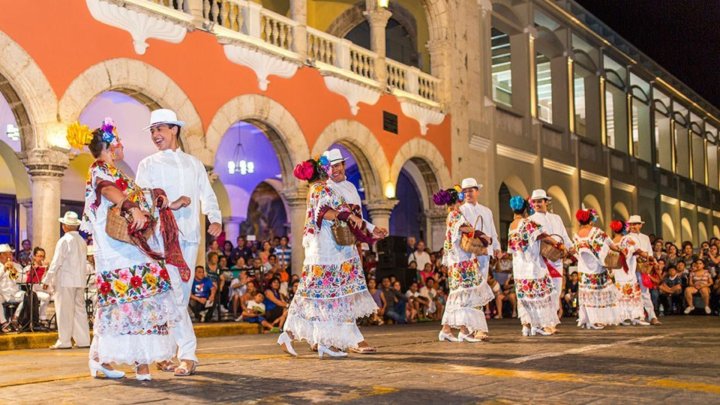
{"points": [[43, 340]]}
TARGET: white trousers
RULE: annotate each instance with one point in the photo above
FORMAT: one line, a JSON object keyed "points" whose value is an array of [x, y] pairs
{"points": [[15, 298], [484, 265], [182, 332], [555, 292], [646, 299], [72, 319], [44, 298]]}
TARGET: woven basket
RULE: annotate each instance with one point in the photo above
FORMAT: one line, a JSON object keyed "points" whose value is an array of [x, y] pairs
{"points": [[472, 243], [342, 233], [612, 261], [551, 252], [116, 225]]}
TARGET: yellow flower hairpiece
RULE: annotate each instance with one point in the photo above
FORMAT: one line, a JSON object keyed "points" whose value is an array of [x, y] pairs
{"points": [[458, 188], [78, 135]]}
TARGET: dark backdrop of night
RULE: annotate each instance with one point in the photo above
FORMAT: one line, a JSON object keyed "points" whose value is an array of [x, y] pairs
{"points": [[682, 36]]}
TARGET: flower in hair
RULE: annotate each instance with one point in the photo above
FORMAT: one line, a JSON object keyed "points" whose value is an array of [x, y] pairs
{"points": [[304, 171], [617, 226], [517, 203], [583, 216], [78, 135], [442, 197]]}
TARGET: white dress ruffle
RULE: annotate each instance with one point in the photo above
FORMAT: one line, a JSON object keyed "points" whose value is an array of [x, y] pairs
{"points": [[464, 307]]}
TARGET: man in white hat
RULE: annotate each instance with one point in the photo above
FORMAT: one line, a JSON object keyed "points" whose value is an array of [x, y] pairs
{"points": [[552, 225], [9, 289], [185, 181], [642, 242], [482, 218], [338, 183], [66, 275]]}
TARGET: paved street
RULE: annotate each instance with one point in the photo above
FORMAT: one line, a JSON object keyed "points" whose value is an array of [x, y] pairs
{"points": [[675, 363]]}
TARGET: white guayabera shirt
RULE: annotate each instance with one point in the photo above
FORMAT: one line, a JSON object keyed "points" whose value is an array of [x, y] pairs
{"points": [[349, 193], [180, 174]]}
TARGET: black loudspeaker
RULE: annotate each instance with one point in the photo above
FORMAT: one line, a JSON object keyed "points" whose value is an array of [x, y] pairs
{"points": [[403, 275], [394, 244]]}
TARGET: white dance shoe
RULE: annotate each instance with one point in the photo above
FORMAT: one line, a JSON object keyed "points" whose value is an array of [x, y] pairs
{"points": [[447, 337], [95, 367], [143, 377], [594, 327], [527, 331], [323, 350], [540, 331], [468, 338], [284, 340], [640, 322], [626, 323]]}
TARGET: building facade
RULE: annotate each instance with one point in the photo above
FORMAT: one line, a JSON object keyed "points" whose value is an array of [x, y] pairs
{"points": [[419, 93]]}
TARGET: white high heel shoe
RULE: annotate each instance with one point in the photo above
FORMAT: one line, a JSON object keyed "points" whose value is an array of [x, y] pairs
{"points": [[284, 340], [142, 377], [447, 337], [595, 327], [322, 350], [527, 331], [468, 338], [640, 322], [95, 367]]}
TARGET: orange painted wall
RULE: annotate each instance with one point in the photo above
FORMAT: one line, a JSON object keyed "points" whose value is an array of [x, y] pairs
{"points": [[64, 40]]}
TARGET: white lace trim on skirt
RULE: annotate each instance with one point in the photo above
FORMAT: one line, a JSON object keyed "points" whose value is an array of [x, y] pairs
{"points": [[336, 334], [538, 312], [462, 306], [131, 349], [137, 317]]}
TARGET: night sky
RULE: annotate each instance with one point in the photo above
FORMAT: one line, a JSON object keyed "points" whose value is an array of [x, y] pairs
{"points": [[682, 36]]}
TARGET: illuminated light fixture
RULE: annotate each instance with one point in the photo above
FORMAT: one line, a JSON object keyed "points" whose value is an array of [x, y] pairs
{"points": [[240, 165], [361, 187], [389, 190], [12, 132], [383, 3]]}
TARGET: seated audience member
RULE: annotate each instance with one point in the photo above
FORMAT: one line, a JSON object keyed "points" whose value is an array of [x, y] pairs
{"points": [[716, 295], [429, 292], [508, 293], [395, 302], [239, 266], [254, 311], [427, 272], [238, 287], [415, 304], [249, 295], [570, 295], [698, 282], [671, 291], [379, 298], [202, 295], [276, 304], [33, 273]]}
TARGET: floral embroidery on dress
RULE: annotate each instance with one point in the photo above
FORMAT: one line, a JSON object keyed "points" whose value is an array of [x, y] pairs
{"points": [[132, 283], [464, 274], [332, 280], [321, 197], [533, 288], [594, 281], [594, 241], [101, 170], [629, 292], [519, 240]]}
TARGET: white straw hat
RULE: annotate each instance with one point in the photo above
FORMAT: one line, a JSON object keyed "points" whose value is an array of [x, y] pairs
{"points": [[334, 156], [470, 183], [540, 194], [70, 219], [164, 116], [635, 219]]}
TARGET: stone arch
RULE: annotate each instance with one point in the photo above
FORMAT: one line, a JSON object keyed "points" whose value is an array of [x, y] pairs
{"points": [[686, 230], [668, 227], [716, 231], [702, 232], [272, 118], [621, 211], [560, 200], [142, 81], [516, 186], [20, 177], [428, 160], [590, 201], [548, 43], [29, 94], [373, 166]]}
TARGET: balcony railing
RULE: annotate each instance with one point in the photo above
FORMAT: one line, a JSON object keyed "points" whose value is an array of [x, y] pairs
{"points": [[247, 22]]}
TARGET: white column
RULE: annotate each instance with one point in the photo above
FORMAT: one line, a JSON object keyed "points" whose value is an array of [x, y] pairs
{"points": [[378, 17], [380, 211], [46, 168], [436, 218], [298, 12], [296, 199]]}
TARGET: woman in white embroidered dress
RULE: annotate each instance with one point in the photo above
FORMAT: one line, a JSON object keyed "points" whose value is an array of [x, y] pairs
{"points": [[597, 295], [630, 308], [135, 303], [469, 292], [533, 285], [332, 293]]}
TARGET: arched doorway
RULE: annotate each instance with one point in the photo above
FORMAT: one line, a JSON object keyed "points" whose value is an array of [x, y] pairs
{"points": [[408, 217], [14, 180], [399, 43], [248, 167]]}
